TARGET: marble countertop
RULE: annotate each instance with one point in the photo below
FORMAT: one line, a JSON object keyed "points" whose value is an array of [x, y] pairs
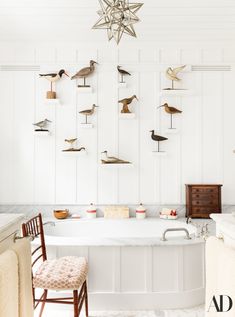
{"points": [[9, 223]]}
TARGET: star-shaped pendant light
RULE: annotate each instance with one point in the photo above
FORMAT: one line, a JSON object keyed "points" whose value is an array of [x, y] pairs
{"points": [[117, 17]]}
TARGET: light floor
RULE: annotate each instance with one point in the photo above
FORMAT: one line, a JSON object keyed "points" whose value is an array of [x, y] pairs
{"points": [[68, 312]]}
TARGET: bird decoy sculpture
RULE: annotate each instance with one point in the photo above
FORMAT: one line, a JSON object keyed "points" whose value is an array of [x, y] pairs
{"points": [[123, 73], [125, 102], [157, 138], [53, 77], [111, 159], [171, 111], [172, 74], [84, 73], [72, 148], [88, 112], [42, 125]]}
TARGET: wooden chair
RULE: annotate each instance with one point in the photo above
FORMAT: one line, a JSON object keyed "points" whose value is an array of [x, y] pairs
{"points": [[66, 273]]}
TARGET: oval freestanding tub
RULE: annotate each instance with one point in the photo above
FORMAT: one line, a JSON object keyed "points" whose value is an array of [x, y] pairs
{"points": [[130, 267]]}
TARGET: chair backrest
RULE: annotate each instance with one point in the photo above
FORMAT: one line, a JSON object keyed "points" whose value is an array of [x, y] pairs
{"points": [[34, 227]]}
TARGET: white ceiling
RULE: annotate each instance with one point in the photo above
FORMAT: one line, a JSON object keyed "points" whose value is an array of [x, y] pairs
{"points": [[71, 20]]}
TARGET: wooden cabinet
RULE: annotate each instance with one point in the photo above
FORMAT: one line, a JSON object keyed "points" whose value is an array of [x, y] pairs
{"points": [[202, 200]]}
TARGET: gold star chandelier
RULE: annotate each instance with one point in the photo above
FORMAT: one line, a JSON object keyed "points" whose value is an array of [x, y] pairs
{"points": [[117, 17]]}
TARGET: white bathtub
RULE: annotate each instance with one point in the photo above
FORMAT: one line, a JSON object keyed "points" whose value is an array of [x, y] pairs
{"points": [[129, 266]]}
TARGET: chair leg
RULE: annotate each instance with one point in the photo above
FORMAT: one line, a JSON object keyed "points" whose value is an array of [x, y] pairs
{"points": [[75, 303], [86, 299], [43, 303]]}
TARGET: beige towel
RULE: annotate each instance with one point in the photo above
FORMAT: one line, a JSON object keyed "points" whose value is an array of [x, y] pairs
{"points": [[220, 274], [22, 249], [8, 284]]}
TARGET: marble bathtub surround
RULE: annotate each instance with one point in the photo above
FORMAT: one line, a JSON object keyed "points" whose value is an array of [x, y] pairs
{"points": [[47, 210]]}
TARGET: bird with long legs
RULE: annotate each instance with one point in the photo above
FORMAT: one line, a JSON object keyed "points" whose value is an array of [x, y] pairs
{"points": [[123, 73], [84, 73], [158, 139], [172, 74], [88, 112], [171, 110]]}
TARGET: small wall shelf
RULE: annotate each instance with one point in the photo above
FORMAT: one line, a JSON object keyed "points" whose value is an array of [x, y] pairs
{"points": [[127, 115], [74, 154], [160, 154], [41, 133], [86, 125], [122, 85], [176, 92], [172, 131], [85, 90], [115, 165], [52, 102]]}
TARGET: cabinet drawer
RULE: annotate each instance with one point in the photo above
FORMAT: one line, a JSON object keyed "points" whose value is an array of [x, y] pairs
{"points": [[205, 196], [205, 190], [205, 202], [204, 210]]}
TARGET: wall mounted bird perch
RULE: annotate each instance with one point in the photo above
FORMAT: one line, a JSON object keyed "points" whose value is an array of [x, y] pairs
{"points": [[52, 78], [42, 125], [172, 74], [112, 159], [72, 148], [172, 111], [125, 102], [123, 73], [84, 73], [88, 112], [158, 139]]}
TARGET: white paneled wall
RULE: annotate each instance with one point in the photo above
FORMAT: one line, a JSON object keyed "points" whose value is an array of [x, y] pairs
{"points": [[33, 169]]}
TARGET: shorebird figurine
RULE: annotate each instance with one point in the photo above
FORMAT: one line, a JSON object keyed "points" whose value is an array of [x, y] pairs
{"points": [[171, 111], [157, 138], [172, 74], [84, 73], [125, 102], [52, 78], [42, 125], [72, 148], [88, 112], [123, 73], [111, 159]]}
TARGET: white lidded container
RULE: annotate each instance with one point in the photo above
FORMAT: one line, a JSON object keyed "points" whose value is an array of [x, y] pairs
{"points": [[140, 212], [91, 212]]}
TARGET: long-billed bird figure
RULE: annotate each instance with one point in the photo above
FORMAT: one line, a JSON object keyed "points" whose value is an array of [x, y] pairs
{"points": [[172, 74], [72, 148], [125, 102], [42, 125], [85, 72], [171, 111], [123, 73], [52, 78], [111, 159], [88, 112], [157, 138]]}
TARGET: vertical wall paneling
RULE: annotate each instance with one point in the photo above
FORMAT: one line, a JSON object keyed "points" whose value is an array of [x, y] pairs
{"points": [[22, 137], [6, 128], [35, 170], [45, 159]]}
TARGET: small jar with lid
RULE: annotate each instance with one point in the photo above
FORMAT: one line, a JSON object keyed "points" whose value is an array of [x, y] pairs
{"points": [[140, 212], [91, 212]]}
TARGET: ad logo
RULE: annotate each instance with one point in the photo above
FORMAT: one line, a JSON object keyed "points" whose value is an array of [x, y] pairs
{"points": [[220, 304]]}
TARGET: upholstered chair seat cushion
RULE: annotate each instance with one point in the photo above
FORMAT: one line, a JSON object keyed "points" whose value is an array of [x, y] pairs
{"points": [[66, 273]]}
